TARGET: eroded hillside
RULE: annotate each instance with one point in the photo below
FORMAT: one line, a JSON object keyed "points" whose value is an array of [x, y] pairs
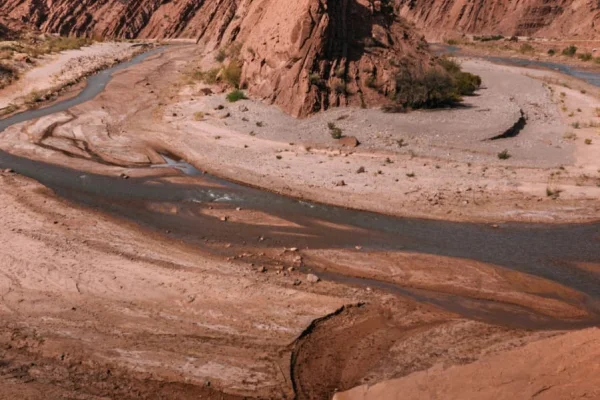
{"points": [[548, 18]]}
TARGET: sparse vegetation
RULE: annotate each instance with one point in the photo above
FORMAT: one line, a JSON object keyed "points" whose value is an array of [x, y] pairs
{"points": [[314, 79], [553, 193], [235, 95], [569, 51], [585, 57], [551, 52], [334, 131], [587, 141], [576, 125], [232, 73], [221, 55], [526, 48], [504, 155], [199, 116], [209, 77], [438, 87]]}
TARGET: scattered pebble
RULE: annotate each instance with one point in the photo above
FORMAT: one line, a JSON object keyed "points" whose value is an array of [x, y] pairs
{"points": [[312, 278]]}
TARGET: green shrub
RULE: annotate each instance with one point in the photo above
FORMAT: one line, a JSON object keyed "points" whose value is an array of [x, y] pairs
{"points": [[504, 155], [438, 87], [236, 95], [526, 48], [334, 131], [198, 116], [585, 56], [551, 52], [232, 73], [569, 51]]}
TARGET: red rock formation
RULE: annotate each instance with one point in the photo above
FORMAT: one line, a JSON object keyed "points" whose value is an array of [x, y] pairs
{"points": [[303, 55], [547, 18]]}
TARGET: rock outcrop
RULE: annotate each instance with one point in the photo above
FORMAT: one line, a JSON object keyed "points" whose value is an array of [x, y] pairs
{"points": [[304, 55], [573, 19]]}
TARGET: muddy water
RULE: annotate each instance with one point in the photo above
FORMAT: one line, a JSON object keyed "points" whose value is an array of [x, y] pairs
{"points": [[545, 251]]}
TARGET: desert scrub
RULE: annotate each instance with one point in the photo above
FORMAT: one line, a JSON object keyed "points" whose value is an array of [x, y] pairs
{"points": [[235, 95], [551, 52], [232, 73], [209, 77], [199, 116], [8, 74], [569, 136], [438, 87], [334, 131], [585, 57], [33, 98], [587, 141], [504, 155], [9, 109], [221, 55], [314, 79], [569, 51], [526, 48], [553, 193]]}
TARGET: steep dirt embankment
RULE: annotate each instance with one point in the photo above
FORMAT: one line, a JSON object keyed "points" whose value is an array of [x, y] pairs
{"points": [[303, 56], [549, 18]]}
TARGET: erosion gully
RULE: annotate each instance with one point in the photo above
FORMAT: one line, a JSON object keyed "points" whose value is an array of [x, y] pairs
{"points": [[546, 251]]}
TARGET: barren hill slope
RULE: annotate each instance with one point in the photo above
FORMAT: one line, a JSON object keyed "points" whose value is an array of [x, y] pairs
{"points": [[547, 18]]}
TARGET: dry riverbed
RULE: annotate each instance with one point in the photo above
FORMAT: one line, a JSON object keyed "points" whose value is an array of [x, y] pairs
{"points": [[134, 311]]}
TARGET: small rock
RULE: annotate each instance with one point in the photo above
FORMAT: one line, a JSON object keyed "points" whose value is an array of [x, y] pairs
{"points": [[238, 209], [293, 249], [360, 170], [312, 278], [290, 269], [206, 91], [225, 219], [223, 115], [124, 176], [495, 226], [262, 269], [349, 141], [297, 282], [219, 107], [9, 171], [340, 183], [174, 114], [243, 108], [358, 247]]}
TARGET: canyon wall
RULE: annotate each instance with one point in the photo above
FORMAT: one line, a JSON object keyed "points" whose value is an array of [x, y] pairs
{"points": [[561, 19], [303, 55]]}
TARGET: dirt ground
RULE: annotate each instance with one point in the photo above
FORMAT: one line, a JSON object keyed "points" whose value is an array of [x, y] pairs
{"points": [[97, 306]]}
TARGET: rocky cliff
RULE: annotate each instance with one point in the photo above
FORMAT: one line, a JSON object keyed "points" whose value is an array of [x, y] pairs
{"points": [[303, 55], [574, 19]]}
